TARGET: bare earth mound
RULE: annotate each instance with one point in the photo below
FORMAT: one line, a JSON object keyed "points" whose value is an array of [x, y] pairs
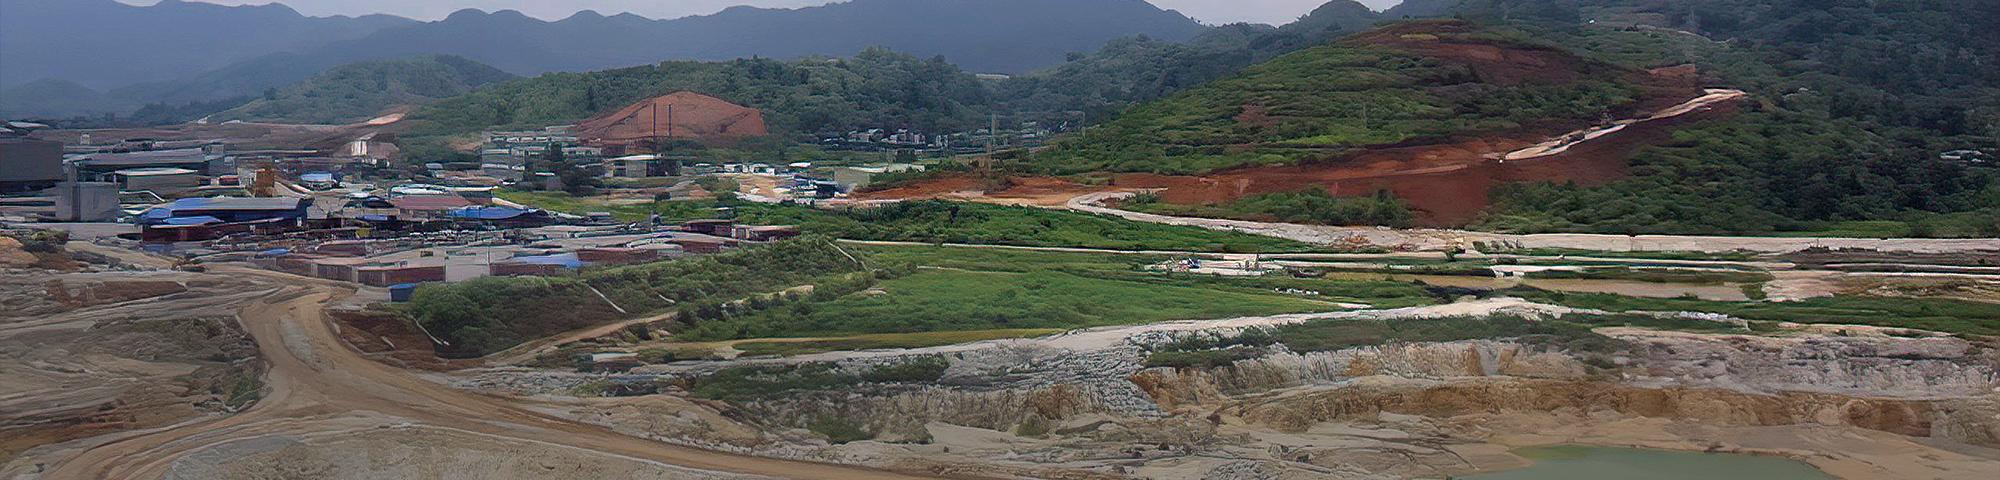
{"points": [[681, 115]]}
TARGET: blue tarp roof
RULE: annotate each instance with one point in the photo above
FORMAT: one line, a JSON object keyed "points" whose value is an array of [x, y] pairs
{"points": [[204, 220], [157, 214], [316, 177], [226, 209], [488, 213], [568, 260]]}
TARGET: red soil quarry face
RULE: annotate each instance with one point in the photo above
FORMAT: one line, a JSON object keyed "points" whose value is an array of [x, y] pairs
{"points": [[1033, 191], [685, 115], [1446, 184]]}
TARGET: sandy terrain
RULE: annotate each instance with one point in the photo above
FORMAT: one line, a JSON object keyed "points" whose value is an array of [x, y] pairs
{"points": [[318, 385]]}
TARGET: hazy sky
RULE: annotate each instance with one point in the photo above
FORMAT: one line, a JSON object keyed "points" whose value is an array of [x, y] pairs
{"points": [[1210, 11]]}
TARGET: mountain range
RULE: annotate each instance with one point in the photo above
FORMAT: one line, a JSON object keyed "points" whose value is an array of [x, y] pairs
{"points": [[106, 56], [364, 89]]}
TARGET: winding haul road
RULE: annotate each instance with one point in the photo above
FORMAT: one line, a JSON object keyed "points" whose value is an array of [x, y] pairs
{"points": [[1433, 239], [316, 384]]}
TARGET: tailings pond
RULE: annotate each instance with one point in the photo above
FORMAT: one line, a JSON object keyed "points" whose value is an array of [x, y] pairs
{"points": [[1572, 462]]}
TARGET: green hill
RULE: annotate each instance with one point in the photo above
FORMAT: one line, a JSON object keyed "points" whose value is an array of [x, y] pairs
{"points": [[1134, 70], [1857, 101], [360, 91], [1411, 82], [1854, 107], [876, 88]]}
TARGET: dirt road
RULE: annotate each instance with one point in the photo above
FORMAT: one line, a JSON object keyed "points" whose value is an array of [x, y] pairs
{"points": [[316, 384], [1436, 239]]}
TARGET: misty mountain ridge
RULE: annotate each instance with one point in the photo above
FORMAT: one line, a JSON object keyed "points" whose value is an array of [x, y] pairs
{"points": [[178, 52]]}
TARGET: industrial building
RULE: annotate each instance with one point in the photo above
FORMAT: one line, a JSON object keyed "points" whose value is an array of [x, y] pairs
{"points": [[102, 167], [642, 166], [86, 201], [229, 210], [159, 180], [28, 164]]}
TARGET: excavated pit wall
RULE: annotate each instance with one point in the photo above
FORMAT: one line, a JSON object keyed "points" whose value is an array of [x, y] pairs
{"points": [[1934, 386], [1924, 387]]}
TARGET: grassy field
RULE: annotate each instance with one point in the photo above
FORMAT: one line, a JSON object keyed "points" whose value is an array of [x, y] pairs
{"points": [[1007, 259], [1943, 315], [977, 293], [1708, 277], [563, 202], [955, 300], [937, 222], [887, 340], [487, 315], [1639, 255], [748, 383], [1571, 333]]}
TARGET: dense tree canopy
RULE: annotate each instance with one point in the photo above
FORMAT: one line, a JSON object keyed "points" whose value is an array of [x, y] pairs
{"points": [[875, 89]]}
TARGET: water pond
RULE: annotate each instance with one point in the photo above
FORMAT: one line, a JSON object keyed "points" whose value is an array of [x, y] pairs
{"points": [[1575, 462]]}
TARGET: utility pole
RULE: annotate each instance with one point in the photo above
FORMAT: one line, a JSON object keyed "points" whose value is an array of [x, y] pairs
{"points": [[653, 125]]}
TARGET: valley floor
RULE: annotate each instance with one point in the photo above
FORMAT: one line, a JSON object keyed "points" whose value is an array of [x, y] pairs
{"points": [[1361, 379]]}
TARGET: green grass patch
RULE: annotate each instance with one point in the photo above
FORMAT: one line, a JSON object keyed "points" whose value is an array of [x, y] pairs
{"points": [[1736, 256], [487, 315], [886, 341], [1377, 294], [1658, 275], [1943, 315], [1201, 358], [839, 430], [1323, 336], [933, 221], [1310, 206], [1571, 333], [946, 300], [566, 203], [1007, 259], [755, 382]]}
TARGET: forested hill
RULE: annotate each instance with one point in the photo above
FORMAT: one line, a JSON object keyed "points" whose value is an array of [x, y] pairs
{"points": [[106, 44], [359, 91], [873, 89], [987, 36], [1858, 103], [1137, 69], [1862, 115], [179, 52], [1411, 82]]}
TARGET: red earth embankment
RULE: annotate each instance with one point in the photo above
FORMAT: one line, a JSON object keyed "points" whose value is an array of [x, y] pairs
{"points": [[1446, 184], [1445, 180]]}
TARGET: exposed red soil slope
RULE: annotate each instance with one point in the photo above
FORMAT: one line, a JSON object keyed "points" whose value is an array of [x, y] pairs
{"points": [[1036, 191], [685, 115], [1446, 181], [1446, 184], [1498, 64]]}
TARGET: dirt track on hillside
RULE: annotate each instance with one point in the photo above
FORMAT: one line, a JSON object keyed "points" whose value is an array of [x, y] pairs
{"points": [[317, 385], [1447, 184], [1433, 239]]}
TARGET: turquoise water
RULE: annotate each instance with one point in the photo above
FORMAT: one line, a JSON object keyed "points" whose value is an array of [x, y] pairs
{"points": [[1571, 462]]}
